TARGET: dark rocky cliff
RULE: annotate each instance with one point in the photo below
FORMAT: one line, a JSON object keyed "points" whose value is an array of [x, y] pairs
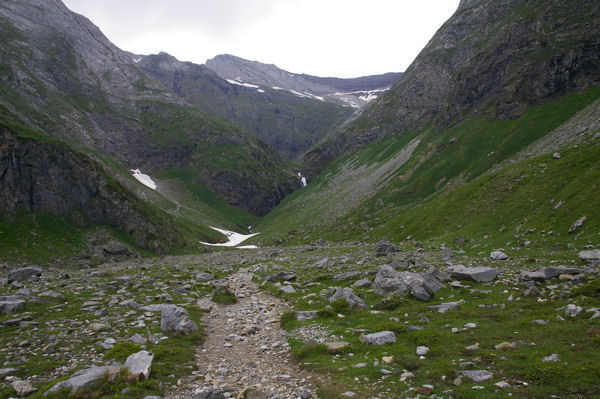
{"points": [[495, 58], [44, 176]]}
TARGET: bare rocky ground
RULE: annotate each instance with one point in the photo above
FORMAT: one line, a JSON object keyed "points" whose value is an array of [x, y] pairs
{"points": [[245, 349], [507, 324]]}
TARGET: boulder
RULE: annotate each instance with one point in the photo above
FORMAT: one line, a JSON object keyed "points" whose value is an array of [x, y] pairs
{"points": [[281, 276], [444, 307], [556, 271], [11, 305], [578, 223], [498, 255], [389, 282], [363, 282], [593, 254], [353, 300], [176, 320], [288, 289], [306, 315], [383, 248], [378, 338], [53, 295], [23, 388], [573, 310], [23, 273], [88, 378], [347, 276], [477, 375], [138, 364], [203, 277], [481, 274], [336, 346]]}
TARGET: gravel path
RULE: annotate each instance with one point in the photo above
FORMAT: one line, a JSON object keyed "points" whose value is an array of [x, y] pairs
{"points": [[246, 348]]}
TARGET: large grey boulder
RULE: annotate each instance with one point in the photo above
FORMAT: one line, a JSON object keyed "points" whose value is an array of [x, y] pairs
{"points": [[138, 364], [498, 255], [203, 277], [389, 282], [378, 338], [23, 273], [23, 388], [176, 320], [281, 276], [477, 375], [547, 273], [593, 254], [481, 274], [383, 248], [11, 305], [88, 378], [353, 300], [347, 276]]}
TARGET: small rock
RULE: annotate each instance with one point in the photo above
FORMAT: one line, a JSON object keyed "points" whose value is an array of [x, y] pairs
{"points": [[590, 255], [364, 282], [477, 375], [422, 350], [578, 223], [379, 338], [424, 390], [502, 384], [176, 320], [288, 289], [498, 255], [23, 388], [556, 155], [552, 358], [203, 277], [573, 310], [23, 273]]}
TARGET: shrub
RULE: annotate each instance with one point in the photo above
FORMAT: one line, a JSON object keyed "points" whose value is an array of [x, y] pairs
{"points": [[122, 350]]}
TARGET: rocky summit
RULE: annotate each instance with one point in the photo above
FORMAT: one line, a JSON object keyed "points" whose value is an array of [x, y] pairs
{"points": [[234, 230]]}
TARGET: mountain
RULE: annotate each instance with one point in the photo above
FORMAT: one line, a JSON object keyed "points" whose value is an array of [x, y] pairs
{"points": [[491, 132], [495, 59], [63, 82], [355, 92], [289, 123]]}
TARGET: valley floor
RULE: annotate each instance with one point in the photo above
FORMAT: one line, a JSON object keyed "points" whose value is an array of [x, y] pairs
{"points": [[270, 325]]}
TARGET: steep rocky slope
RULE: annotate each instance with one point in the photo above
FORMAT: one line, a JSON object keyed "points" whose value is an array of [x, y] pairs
{"points": [[490, 58], [64, 79], [41, 176], [497, 91], [288, 123], [355, 93]]}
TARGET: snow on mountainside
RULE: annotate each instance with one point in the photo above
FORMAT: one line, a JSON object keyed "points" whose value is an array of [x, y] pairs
{"points": [[355, 93]]}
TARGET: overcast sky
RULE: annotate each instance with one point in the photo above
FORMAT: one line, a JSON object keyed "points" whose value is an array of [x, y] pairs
{"points": [[343, 38]]}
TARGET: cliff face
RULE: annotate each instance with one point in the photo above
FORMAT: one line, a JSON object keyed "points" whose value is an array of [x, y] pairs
{"points": [[493, 58], [288, 123], [42, 176], [62, 77]]}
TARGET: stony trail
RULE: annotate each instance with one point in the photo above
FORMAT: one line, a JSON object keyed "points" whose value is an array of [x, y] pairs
{"points": [[245, 348]]}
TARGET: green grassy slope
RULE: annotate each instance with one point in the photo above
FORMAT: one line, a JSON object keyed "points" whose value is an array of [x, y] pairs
{"points": [[441, 192]]}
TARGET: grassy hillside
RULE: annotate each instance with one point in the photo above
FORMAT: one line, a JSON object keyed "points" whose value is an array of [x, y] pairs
{"points": [[441, 191]]}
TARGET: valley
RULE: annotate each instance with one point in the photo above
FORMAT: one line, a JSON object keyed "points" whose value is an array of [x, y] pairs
{"points": [[235, 230]]}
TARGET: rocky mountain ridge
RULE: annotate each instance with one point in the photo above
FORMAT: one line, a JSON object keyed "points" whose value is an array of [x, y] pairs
{"points": [[490, 58], [63, 79], [355, 93], [289, 123]]}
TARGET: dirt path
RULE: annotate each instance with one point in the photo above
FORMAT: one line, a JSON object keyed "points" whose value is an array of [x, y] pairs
{"points": [[246, 348]]}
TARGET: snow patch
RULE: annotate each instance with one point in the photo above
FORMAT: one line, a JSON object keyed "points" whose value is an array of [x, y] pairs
{"points": [[303, 181], [144, 179], [136, 60], [260, 90], [235, 82], [233, 239], [277, 88]]}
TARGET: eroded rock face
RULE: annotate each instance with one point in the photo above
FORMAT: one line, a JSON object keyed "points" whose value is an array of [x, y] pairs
{"points": [[46, 177], [483, 55]]}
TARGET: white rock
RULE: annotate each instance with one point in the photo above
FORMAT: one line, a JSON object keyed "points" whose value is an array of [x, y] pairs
{"points": [[422, 350]]}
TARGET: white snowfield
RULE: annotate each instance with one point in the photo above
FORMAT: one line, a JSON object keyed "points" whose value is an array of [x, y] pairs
{"points": [[235, 82], [234, 239], [144, 179]]}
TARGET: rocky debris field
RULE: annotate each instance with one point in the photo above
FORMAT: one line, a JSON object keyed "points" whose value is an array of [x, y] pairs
{"points": [[326, 321]]}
